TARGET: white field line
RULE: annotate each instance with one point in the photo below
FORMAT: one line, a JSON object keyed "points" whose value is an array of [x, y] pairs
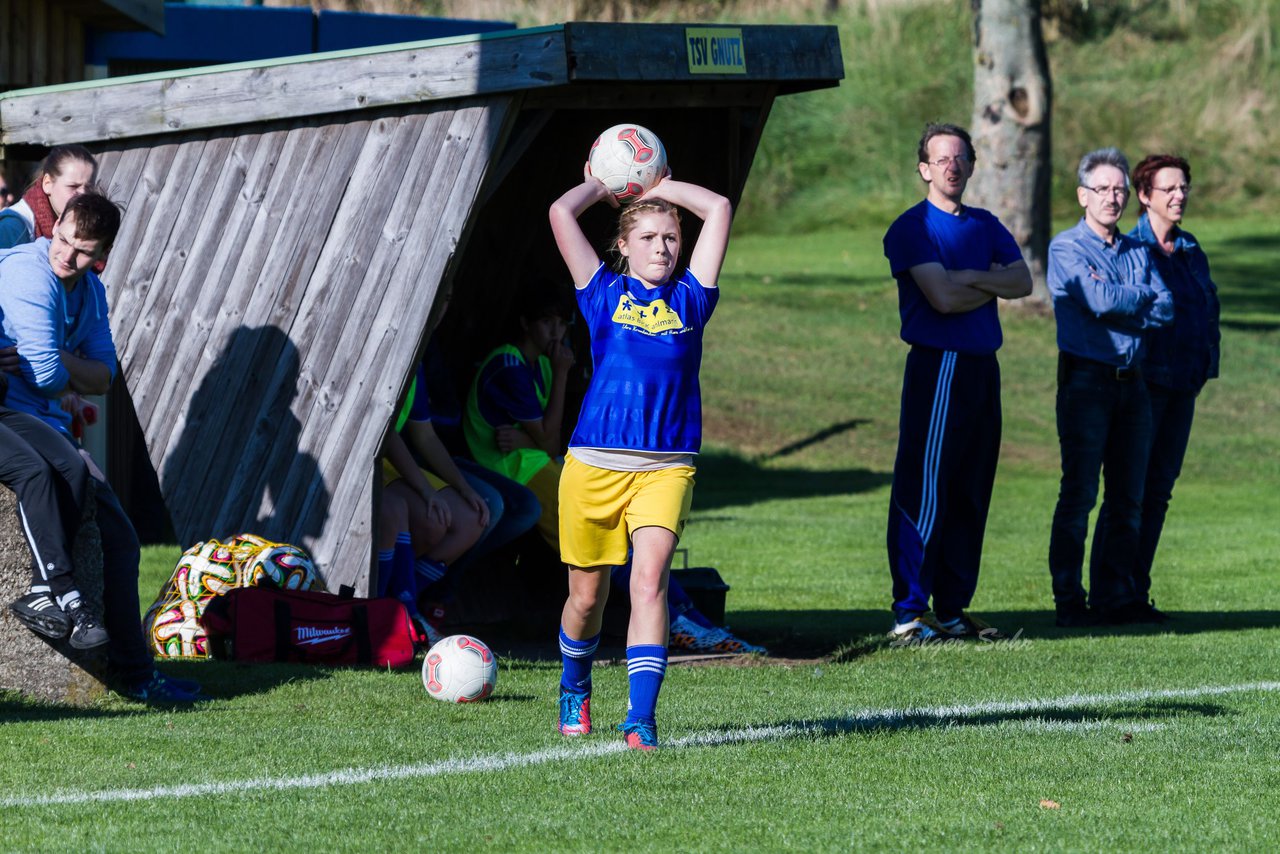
{"points": [[867, 719]]}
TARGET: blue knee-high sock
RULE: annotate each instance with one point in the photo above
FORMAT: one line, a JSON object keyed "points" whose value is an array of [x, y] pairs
{"points": [[646, 667], [384, 570], [576, 656], [430, 570], [404, 584]]}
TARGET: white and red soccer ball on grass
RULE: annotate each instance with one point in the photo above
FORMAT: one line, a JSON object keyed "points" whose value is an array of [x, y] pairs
{"points": [[628, 159], [460, 669]]}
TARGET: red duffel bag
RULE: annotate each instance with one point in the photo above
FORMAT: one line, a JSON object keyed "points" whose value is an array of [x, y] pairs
{"points": [[308, 626]]}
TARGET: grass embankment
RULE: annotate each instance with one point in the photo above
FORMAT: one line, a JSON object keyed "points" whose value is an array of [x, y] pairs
{"points": [[1200, 79], [1197, 77]]}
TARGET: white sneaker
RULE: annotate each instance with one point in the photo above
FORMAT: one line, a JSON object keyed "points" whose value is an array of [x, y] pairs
{"points": [[686, 634], [922, 628]]}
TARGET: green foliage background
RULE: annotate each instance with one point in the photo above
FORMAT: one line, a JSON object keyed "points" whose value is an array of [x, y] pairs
{"points": [[1197, 78]]}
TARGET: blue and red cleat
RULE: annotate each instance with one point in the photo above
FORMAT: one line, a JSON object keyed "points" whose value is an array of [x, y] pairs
{"points": [[639, 735], [575, 712], [161, 690]]}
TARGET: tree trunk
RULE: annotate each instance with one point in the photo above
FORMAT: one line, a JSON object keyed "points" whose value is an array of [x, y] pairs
{"points": [[47, 670], [1012, 104]]}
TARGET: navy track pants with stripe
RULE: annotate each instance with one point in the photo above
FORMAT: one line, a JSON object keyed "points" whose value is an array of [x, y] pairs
{"points": [[51, 482], [948, 446]]}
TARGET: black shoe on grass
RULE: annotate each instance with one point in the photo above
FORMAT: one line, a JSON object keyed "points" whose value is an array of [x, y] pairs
{"points": [[1075, 616], [1147, 612], [86, 631], [41, 614], [1130, 614]]}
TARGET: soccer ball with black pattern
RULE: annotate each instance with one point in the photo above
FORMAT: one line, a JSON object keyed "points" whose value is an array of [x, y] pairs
{"points": [[628, 159], [460, 669]]}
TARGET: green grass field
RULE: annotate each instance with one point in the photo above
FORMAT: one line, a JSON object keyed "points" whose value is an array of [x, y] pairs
{"points": [[1128, 738]]}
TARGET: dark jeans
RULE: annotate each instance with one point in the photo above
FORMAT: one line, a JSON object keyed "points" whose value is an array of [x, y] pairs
{"points": [[127, 652], [1104, 424], [1171, 416], [513, 509]]}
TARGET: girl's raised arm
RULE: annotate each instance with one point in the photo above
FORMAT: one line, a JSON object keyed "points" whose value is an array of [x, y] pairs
{"points": [[578, 253], [716, 214]]}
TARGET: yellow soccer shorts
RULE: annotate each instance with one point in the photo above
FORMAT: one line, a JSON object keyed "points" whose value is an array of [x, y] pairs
{"points": [[545, 485], [390, 476], [601, 508]]}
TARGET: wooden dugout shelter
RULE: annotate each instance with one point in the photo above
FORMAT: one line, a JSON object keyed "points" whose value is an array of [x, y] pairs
{"points": [[289, 223]]}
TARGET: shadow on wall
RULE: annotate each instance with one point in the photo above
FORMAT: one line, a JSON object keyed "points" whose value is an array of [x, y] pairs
{"points": [[237, 465]]}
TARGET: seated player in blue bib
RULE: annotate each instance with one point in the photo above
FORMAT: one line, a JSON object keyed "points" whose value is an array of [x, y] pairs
{"points": [[628, 477]]}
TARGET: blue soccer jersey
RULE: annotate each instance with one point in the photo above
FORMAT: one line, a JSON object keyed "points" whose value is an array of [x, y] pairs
{"points": [[971, 240], [646, 350]]}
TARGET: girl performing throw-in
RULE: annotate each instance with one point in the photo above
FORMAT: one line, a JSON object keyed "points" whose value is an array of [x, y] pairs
{"points": [[628, 476]]}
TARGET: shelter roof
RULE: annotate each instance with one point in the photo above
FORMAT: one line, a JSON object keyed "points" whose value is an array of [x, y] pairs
{"points": [[793, 58]]}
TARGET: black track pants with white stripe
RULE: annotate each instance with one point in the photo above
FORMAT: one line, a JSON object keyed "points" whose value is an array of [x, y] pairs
{"points": [[51, 482], [948, 446]]}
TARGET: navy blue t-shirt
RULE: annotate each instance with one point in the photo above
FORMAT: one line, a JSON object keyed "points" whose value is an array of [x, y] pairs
{"points": [[971, 240]]}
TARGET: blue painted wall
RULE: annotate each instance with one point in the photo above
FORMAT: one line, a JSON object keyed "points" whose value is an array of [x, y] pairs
{"points": [[205, 35]]}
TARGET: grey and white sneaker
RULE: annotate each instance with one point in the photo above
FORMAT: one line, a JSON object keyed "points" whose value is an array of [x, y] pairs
{"points": [[41, 614], [686, 634]]}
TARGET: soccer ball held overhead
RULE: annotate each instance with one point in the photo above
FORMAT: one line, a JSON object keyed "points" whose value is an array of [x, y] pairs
{"points": [[628, 159]]}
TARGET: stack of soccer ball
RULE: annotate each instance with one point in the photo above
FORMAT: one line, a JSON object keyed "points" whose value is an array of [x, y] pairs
{"points": [[629, 160]]}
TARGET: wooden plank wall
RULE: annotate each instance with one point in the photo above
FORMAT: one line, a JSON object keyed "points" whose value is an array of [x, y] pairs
{"points": [[224, 96], [41, 44], [269, 291]]}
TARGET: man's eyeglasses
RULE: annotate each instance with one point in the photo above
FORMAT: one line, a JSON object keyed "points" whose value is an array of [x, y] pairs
{"points": [[945, 162], [1185, 189], [1108, 191]]}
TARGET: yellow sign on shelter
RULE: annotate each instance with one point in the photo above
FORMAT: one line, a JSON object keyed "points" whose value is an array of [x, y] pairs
{"points": [[715, 50]]}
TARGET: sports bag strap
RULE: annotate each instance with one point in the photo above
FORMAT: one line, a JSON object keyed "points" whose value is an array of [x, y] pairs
{"points": [[364, 646], [284, 621]]}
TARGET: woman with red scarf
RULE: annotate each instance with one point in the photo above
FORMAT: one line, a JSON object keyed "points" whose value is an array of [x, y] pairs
{"points": [[65, 173]]}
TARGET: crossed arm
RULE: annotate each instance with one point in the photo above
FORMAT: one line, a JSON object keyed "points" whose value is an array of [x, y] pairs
{"points": [[958, 291], [1132, 304]]}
